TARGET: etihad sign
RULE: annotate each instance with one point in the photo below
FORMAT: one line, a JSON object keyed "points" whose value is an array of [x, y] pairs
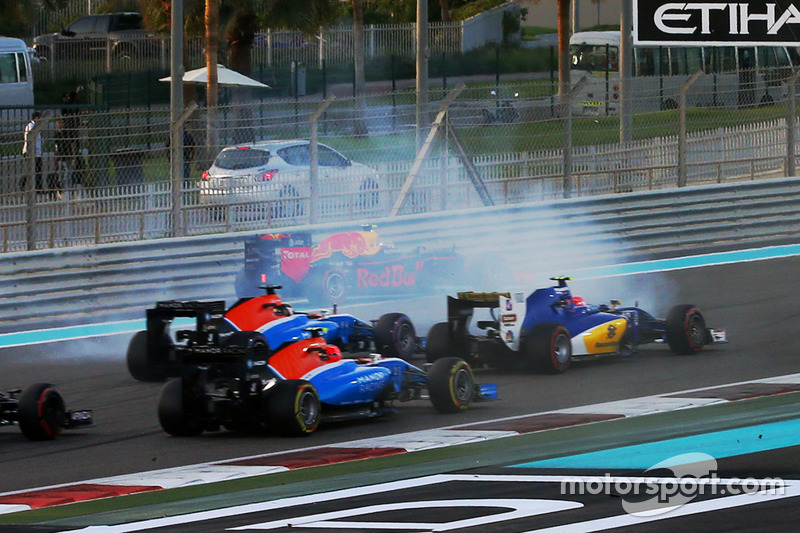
{"points": [[710, 23]]}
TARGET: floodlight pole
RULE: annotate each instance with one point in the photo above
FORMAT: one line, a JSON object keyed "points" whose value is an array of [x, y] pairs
{"points": [[175, 111]]}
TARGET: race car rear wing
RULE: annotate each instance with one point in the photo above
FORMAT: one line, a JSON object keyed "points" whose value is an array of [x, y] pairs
{"points": [[159, 318], [460, 309]]}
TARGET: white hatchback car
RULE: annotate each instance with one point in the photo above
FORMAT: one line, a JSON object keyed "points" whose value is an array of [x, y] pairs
{"points": [[275, 175]]}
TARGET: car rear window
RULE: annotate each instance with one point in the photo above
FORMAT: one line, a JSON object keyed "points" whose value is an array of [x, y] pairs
{"points": [[241, 158]]}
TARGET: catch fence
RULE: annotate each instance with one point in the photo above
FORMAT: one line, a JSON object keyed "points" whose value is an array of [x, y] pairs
{"points": [[106, 174]]}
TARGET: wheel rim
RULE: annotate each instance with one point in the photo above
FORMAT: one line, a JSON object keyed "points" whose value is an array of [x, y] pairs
{"points": [[334, 285], [462, 385], [52, 412], [405, 339], [308, 409], [696, 331], [561, 349]]}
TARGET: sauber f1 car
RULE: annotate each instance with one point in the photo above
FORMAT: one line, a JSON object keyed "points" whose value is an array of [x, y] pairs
{"points": [[40, 412], [153, 356], [355, 263], [547, 330], [247, 386]]}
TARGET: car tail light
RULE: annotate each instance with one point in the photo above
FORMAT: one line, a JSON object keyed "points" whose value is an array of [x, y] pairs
{"points": [[205, 175], [268, 174]]}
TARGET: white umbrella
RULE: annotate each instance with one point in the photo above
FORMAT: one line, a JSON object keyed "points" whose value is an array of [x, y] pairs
{"points": [[225, 78]]}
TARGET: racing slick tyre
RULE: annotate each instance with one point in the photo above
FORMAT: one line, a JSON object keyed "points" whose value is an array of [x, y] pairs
{"points": [[546, 348], [437, 345], [395, 336], [451, 385], [140, 365], [41, 411], [293, 408], [173, 414], [686, 329]]}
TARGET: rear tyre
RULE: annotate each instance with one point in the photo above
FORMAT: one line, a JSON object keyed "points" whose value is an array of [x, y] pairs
{"points": [[686, 329], [451, 385], [395, 336], [42, 413], [173, 414], [437, 345], [293, 408], [547, 348], [144, 368], [244, 287]]}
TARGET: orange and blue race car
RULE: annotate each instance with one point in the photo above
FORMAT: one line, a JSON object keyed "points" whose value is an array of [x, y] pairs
{"points": [[291, 390], [153, 354], [546, 330], [342, 266]]}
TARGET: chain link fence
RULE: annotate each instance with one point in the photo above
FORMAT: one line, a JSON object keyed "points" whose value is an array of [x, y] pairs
{"points": [[105, 175]]}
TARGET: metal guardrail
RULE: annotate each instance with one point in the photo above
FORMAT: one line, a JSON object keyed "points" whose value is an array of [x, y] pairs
{"points": [[51, 288]]}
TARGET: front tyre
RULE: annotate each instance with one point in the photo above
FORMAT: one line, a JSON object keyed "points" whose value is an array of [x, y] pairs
{"points": [[42, 413], [685, 329], [395, 336], [173, 414], [293, 408], [547, 348], [451, 385]]}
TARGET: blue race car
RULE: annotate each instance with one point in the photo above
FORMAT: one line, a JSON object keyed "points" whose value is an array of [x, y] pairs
{"points": [[152, 353], [547, 330], [249, 387]]}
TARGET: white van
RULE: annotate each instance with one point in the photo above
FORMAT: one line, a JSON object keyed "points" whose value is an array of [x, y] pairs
{"points": [[16, 76]]}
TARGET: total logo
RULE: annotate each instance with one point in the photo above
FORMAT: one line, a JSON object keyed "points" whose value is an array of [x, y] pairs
{"points": [[389, 276], [295, 254]]}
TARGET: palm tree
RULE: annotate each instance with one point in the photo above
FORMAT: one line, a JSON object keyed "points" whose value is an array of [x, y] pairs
{"points": [[19, 17]]}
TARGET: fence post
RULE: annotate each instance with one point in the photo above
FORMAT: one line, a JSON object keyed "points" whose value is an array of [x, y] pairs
{"points": [[791, 125], [176, 136], [30, 180], [682, 127], [314, 170]]}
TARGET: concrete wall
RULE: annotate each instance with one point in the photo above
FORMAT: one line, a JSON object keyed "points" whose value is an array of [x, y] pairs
{"points": [[486, 27]]}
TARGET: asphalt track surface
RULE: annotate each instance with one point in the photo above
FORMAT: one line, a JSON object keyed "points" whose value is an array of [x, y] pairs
{"points": [[756, 302]]}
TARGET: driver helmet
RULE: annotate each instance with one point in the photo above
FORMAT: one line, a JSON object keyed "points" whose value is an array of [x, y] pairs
{"points": [[579, 301]]}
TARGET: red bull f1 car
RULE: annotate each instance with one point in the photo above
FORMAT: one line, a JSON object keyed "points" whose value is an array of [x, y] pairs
{"points": [[547, 330], [40, 412], [153, 354], [250, 387], [355, 263]]}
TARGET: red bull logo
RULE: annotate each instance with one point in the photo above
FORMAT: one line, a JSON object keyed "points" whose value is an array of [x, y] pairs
{"points": [[389, 276], [350, 244]]}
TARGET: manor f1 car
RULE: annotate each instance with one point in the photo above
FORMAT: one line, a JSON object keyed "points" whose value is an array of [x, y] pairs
{"points": [[40, 412], [343, 265], [248, 387], [547, 330], [152, 354]]}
